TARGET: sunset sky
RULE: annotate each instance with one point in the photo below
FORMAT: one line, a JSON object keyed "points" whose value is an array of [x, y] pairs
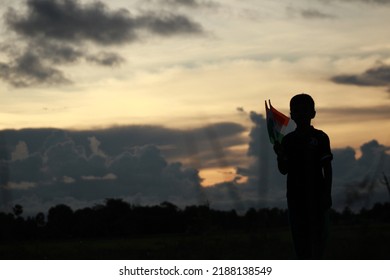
{"points": [[187, 64]]}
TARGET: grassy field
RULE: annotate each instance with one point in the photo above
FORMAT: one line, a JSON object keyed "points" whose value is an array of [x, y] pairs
{"points": [[346, 242]]}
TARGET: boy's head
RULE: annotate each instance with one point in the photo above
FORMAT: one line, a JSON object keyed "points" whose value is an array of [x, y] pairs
{"points": [[302, 109]]}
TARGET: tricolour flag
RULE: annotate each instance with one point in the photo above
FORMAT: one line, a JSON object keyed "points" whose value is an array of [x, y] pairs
{"points": [[276, 123]]}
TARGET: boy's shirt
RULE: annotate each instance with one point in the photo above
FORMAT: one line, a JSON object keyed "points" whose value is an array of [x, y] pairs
{"points": [[305, 153]]}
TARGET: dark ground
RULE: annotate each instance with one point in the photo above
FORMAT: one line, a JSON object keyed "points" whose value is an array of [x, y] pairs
{"points": [[346, 242]]}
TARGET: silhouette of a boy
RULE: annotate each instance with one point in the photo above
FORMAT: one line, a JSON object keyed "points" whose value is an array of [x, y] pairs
{"points": [[305, 156]]}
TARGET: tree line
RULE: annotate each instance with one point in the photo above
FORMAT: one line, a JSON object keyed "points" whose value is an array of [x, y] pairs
{"points": [[117, 218]]}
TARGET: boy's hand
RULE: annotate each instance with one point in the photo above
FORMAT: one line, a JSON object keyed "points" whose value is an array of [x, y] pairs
{"points": [[278, 148], [281, 157]]}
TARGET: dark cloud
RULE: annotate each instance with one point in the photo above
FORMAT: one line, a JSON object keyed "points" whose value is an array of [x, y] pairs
{"points": [[150, 164], [57, 164], [315, 14], [106, 59], [175, 144], [143, 164], [369, 2], [71, 21], [54, 32], [187, 3], [357, 180], [51, 51], [29, 69], [350, 114], [90, 152], [309, 13], [27, 170], [378, 76], [380, 2], [240, 109], [191, 3], [261, 171], [168, 24], [58, 53]]}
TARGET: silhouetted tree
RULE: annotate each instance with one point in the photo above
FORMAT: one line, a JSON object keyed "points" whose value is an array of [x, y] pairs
{"points": [[7, 222], [251, 219], [386, 182], [169, 207], [18, 210], [380, 212], [347, 216], [40, 219], [199, 218], [116, 217], [334, 216], [60, 220]]}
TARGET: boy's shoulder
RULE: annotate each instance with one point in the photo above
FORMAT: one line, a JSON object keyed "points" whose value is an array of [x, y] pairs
{"points": [[319, 133], [316, 133]]}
